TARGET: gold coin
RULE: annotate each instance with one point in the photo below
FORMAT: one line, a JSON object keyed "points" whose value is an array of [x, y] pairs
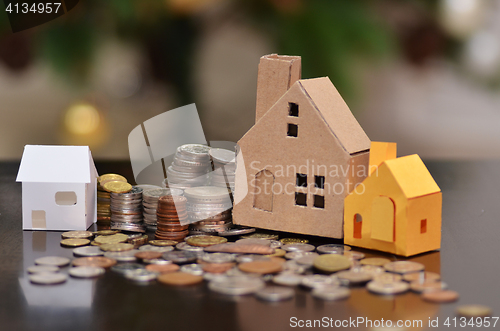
{"points": [[111, 177], [94, 261], [205, 241], [117, 187], [278, 252], [376, 261], [331, 263], [474, 311], [105, 232], [76, 235], [119, 247], [179, 279], [94, 243], [286, 241], [74, 242], [163, 243], [261, 236], [111, 239], [261, 267]]}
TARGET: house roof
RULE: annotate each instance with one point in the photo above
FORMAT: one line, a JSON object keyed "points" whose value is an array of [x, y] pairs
{"points": [[336, 114], [412, 176], [56, 164]]}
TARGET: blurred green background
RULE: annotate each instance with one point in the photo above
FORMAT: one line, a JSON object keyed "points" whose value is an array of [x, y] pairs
{"points": [[421, 73]]}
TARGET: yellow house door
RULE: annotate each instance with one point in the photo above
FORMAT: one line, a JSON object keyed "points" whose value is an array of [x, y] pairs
{"points": [[383, 220]]}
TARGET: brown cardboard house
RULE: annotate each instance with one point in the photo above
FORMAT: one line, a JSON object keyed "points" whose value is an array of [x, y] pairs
{"points": [[302, 157]]}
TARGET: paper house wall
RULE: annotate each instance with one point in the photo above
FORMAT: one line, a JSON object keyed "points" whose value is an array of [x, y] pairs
{"points": [[397, 209], [59, 185], [302, 156]]}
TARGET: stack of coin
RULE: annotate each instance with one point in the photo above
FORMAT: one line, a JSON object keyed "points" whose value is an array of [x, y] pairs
{"points": [[224, 165], [150, 204], [209, 208], [126, 209], [103, 198], [190, 167], [171, 218]]}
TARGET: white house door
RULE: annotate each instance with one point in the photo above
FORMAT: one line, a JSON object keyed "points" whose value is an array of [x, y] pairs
{"points": [[263, 190], [383, 220]]}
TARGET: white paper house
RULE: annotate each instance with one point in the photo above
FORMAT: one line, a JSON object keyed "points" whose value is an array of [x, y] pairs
{"points": [[59, 187]]}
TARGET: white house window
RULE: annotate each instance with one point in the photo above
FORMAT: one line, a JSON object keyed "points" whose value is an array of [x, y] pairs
{"points": [[65, 198]]}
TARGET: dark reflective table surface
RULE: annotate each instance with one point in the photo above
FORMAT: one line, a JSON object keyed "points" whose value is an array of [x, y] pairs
{"points": [[468, 262]]}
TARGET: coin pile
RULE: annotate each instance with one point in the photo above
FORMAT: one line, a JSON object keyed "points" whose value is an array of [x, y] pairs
{"points": [[104, 199], [171, 218], [209, 208], [224, 165], [126, 210], [189, 168], [150, 204]]}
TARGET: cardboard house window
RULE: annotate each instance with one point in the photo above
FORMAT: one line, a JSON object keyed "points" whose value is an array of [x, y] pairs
{"points": [[358, 224], [423, 226], [293, 130], [301, 180], [263, 194], [301, 199], [293, 109], [319, 182], [319, 201], [65, 198]]}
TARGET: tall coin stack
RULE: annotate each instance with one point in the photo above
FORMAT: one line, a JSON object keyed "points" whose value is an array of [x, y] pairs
{"points": [[190, 166], [209, 208], [150, 204], [170, 213], [224, 168], [104, 199], [126, 210]]}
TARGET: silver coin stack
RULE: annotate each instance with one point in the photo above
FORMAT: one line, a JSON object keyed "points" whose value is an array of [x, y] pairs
{"points": [[189, 168], [126, 210], [224, 165], [209, 208], [150, 204]]}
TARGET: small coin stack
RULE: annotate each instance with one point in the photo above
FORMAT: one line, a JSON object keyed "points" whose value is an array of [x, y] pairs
{"points": [[224, 164], [170, 214], [126, 210], [189, 168], [104, 199], [150, 204], [209, 208]]}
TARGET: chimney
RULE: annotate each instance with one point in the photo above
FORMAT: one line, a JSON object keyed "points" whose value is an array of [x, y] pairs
{"points": [[379, 152], [277, 73]]}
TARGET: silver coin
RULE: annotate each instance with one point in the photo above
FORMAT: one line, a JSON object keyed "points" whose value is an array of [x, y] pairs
{"points": [[184, 246], [236, 285], [57, 261], [298, 247], [275, 243], [222, 155], [298, 255], [332, 248], [126, 256], [209, 193], [155, 194], [86, 272], [275, 293], [331, 293], [208, 276], [48, 278], [288, 279], [162, 249], [404, 267], [180, 256], [427, 286], [193, 269], [294, 267], [371, 269], [251, 257], [218, 258], [156, 261], [317, 281], [387, 288], [36, 269], [126, 267], [88, 251], [236, 232], [354, 277], [141, 275], [353, 255], [387, 277], [307, 259]]}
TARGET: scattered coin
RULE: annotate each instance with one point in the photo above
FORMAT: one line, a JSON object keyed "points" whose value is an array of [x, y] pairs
{"points": [[275, 293], [261, 236], [148, 255], [388, 288], [286, 241], [95, 261], [332, 248], [125, 256], [88, 251], [163, 268], [372, 270], [126, 267], [421, 276], [162, 249], [331, 293], [251, 257], [387, 277], [240, 248], [217, 268], [76, 235], [354, 277], [288, 279], [331, 263], [442, 296], [105, 232], [353, 255], [236, 285], [53, 261], [179, 279], [318, 281], [48, 278], [278, 252], [254, 241], [298, 247], [180, 257], [427, 286], [235, 232], [36, 269], [86, 272], [404, 267], [193, 269], [184, 246], [261, 267], [119, 247], [111, 239], [163, 242], [74, 242], [375, 261], [474, 311], [307, 260], [204, 241], [141, 275], [218, 258], [298, 255]]}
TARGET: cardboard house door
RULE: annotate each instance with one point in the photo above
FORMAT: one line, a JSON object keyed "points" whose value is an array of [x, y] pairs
{"points": [[383, 219], [263, 191]]}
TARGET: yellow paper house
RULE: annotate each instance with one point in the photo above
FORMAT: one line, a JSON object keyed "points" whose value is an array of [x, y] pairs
{"points": [[397, 209]]}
